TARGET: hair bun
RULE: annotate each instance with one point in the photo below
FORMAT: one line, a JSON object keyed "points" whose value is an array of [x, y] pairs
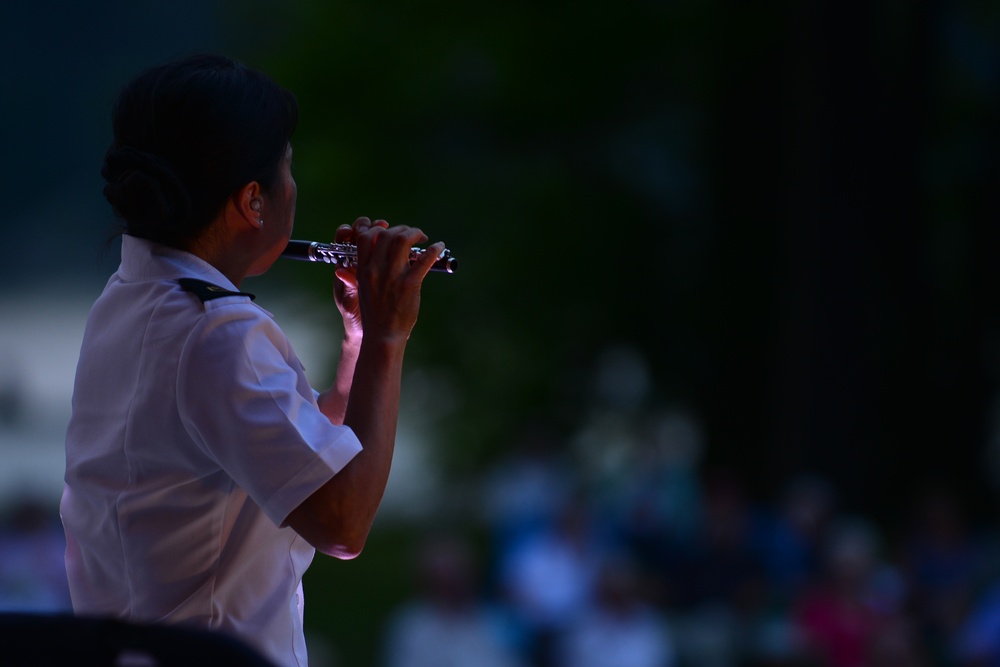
{"points": [[145, 191]]}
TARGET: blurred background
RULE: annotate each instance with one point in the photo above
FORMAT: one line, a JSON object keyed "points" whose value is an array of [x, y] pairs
{"points": [[718, 382]]}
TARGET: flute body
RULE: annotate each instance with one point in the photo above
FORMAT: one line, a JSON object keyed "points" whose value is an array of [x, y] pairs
{"points": [[346, 255]]}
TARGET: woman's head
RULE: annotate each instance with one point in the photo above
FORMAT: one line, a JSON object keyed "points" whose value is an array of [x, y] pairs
{"points": [[187, 136]]}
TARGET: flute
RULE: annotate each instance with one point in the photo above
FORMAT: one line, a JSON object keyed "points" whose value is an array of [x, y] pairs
{"points": [[346, 255]]}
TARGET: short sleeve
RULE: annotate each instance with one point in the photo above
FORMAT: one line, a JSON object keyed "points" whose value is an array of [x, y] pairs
{"points": [[244, 399]]}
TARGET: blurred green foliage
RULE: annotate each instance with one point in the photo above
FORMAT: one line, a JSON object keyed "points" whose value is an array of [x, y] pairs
{"points": [[786, 207], [553, 146]]}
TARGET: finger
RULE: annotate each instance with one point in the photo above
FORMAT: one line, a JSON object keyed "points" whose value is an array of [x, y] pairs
{"points": [[404, 234], [348, 277], [369, 233], [381, 223], [427, 258], [392, 242], [365, 240], [396, 242], [343, 234]]}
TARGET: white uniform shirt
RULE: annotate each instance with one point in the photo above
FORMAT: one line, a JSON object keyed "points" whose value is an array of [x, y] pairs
{"points": [[194, 434]]}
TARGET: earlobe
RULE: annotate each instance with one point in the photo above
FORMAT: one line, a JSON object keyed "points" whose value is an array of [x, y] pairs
{"points": [[256, 205], [249, 203]]}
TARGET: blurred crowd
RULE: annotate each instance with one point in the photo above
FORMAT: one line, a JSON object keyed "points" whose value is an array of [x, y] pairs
{"points": [[676, 567], [668, 568], [617, 547], [32, 569]]}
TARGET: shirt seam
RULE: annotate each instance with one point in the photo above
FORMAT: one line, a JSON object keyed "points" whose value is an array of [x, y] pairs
{"points": [[126, 439]]}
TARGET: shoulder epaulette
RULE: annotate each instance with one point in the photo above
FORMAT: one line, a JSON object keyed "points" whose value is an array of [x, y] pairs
{"points": [[206, 291]]}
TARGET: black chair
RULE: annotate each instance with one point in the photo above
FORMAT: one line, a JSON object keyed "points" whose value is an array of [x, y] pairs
{"points": [[40, 640]]}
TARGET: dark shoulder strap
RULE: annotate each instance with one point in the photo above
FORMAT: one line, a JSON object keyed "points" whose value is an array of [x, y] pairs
{"points": [[206, 291]]}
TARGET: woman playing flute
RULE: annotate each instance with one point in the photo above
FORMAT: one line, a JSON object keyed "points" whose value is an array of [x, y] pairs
{"points": [[203, 471]]}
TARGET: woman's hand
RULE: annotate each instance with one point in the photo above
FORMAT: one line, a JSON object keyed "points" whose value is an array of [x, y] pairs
{"points": [[387, 284], [345, 288], [384, 293]]}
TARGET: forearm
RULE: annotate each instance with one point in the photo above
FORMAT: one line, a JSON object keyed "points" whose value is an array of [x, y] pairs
{"points": [[384, 293], [333, 402], [337, 518], [372, 413]]}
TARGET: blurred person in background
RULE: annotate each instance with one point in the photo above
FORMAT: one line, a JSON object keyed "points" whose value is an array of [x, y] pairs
{"points": [[790, 538], [32, 573], [854, 602], [203, 471], [943, 569], [620, 628], [977, 639], [550, 578], [720, 565], [449, 623], [525, 490], [719, 584]]}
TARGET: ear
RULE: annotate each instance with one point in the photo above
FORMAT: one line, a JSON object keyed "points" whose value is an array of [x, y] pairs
{"points": [[248, 204]]}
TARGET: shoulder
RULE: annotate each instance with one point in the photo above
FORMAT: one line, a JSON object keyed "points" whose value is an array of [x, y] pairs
{"points": [[210, 305], [226, 324], [207, 291]]}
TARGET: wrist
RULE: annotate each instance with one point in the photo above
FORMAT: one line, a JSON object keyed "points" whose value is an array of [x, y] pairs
{"points": [[352, 339], [386, 347]]}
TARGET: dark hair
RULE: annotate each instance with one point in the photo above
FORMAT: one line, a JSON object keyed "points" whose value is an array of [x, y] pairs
{"points": [[189, 134]]}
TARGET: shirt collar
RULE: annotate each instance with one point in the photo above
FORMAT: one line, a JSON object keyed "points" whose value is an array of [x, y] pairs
{"points": [[143, 259]]}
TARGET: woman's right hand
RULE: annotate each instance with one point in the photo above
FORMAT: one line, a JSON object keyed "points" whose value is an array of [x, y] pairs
{"points": [[388, 286]]}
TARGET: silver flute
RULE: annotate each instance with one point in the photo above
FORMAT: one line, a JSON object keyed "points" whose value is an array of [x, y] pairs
{"points": [[346, 255]]}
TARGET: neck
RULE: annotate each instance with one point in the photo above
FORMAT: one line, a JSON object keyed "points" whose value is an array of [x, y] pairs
{"points": [[221, 252]]}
